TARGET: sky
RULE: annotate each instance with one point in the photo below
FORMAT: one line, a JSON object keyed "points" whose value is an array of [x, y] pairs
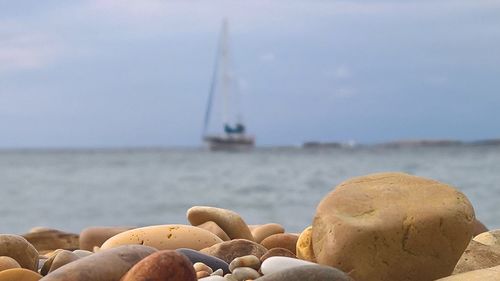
{"points": [[117, 73]]}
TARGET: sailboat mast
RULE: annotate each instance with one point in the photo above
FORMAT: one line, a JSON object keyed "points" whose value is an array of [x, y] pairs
{"points": [[226, 79]]}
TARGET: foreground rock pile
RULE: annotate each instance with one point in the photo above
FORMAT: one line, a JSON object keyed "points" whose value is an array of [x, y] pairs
{"points": [[388, 226]]}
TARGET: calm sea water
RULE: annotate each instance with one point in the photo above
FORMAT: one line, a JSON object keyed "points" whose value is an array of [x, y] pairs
{"points": [[71, 190]]}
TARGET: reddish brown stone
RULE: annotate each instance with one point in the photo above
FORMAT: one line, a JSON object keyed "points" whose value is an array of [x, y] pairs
{"points": [[166, 265], [280, 252]]}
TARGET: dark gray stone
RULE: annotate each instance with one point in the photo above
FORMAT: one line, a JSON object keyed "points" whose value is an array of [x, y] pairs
{"points": [[211, 261]]}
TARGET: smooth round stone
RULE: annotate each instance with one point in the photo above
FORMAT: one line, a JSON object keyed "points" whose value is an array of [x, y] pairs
{"points": [[95, 236], [230, 222], [19, 274], [202, 274], [165, 237], [106, 265], [245, 261], [277, 252], [489, 238], [199, 266], [394, 217], [245, 273], [487, 274], [20, 249], [229, 250], [275, 264], [211, 261], [166, 265], [263, 231], [8, 263], [281, 240], [478, 256], [307, 273], [57, 260], [52, 239], [218, 272], [215, 229], [213, 278], [304, 245], [82, 253]]}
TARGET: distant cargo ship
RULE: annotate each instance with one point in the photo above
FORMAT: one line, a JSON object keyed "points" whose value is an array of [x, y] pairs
{"points": [[234, 136]]}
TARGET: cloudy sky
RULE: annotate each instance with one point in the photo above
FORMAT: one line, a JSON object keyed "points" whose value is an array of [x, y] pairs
{"points": [[109, 73]]}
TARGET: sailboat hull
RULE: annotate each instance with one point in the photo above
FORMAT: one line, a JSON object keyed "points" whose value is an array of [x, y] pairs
{"points": [[230, 143]]}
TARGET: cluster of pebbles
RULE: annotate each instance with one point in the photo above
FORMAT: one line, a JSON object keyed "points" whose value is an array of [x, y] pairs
{"points": [[388, 226]]}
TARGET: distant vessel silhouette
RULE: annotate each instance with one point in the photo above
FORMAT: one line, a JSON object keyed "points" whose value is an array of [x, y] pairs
{"points": [[234, 135]]}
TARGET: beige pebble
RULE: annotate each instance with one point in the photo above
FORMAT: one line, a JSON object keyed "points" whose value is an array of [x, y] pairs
{"points": [[95, 236], [202, 274], [261, 232], [8, 263], [281, 240], [199, 266], [165, 237], [489, 238], [18, 248], [244, 273], [215, 229], [245, 261], [304, 245], [230, 222], [19, 274], [218, 272]]}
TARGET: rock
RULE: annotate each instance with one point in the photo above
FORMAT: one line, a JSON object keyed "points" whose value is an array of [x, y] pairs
{"points": [[369, 225], [18, 248], [199, 266], [201, 274], [245, 273], [213, 278], [307, 273], [281, 240], [215, 229], [277, 252], [165, 237], [8, 263], [486, 274], [57, 260], [106, 265], [82, 253], [263, 231], [95, 236], [213, 262], [229, 250], [19, 274], [245, 261], [230, 222], [218, 272], [478, 256], [166, 265], [479, 228], [52, 239], [489, 238], [304, 245], [275, 264]]}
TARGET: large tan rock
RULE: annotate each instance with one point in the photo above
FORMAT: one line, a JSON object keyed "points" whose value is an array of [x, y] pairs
{"points": [[392, 226], [487, 274], [482, 252], [51, 239], [18, 248]]}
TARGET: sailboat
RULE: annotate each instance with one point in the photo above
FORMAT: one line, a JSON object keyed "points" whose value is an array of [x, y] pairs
{"points": [[234, 136]]}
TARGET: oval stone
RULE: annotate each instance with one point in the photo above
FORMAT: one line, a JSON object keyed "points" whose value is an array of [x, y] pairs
{"points": [[394, 217], [211, 261], [19, 274], [263, 231], [63, 257], [245, 273], [18, 248], [106, 265], [8, 263], [277, 252], [275, 264], [215, 229], [230, 222], [166, 265], [165, 237], [281, 240], [95, 236], [245, 261], [307, 273], [229, 250], [52, 239]]}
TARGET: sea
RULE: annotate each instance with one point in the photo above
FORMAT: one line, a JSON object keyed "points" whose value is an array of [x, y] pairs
{"points": [[74, 189]]}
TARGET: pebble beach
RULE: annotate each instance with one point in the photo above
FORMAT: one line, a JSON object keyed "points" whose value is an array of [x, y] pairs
{"points": [[382, 226]]}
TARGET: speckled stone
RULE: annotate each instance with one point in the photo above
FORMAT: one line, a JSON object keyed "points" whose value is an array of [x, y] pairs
{"points": [[307, 273], [229, 250], [478, 256], [213, 262], [486, 274]]}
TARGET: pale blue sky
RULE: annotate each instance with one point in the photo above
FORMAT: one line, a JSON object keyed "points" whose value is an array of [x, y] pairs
{"points": [[136, 73]]}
